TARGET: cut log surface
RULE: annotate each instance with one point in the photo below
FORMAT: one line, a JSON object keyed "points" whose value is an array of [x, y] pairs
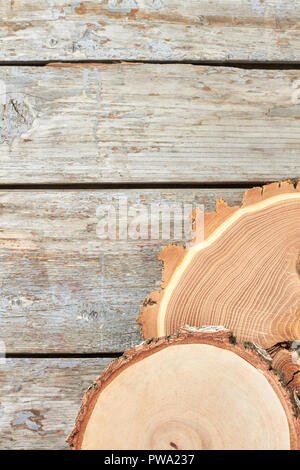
{"points": [[243, 275], [145, 123], [195, 390], [226, 30]]}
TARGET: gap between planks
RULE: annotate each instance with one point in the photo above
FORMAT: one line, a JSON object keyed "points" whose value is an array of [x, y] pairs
{"points": [[277, 65], [116, 186], [20, 355]]}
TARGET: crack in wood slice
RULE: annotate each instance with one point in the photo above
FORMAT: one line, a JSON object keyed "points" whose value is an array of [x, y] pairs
{"points": [[198, 389], [243, 275], [288, 361]]}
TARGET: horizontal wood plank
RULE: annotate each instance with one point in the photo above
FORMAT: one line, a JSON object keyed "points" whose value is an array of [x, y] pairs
{"points": [[144, 123], [40, 399], [223, 30], [64, 289]]}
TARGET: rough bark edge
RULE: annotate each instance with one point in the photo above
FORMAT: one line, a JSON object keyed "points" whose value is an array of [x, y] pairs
{"points": [[287, 360], [172, 255], [217, 336]]}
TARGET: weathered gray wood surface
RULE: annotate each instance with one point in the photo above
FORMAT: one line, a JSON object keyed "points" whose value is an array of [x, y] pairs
{"points": [[244, 30], [40, 399], [144, 123], [63, 289]]}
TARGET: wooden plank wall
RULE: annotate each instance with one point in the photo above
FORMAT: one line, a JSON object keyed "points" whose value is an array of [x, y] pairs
{"points": [[155, 102], [196, 30], [139, 123]]}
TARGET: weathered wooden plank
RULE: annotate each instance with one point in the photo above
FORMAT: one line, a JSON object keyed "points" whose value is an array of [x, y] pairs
{"points": [[244, 30], [64, 289], [145, 123], [40, 399]]}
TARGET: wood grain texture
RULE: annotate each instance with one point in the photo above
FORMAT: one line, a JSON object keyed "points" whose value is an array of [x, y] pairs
{"points": [[142, 123], [242, 274], [63, 289], [243, 30], [40, 399], [152, 396]]}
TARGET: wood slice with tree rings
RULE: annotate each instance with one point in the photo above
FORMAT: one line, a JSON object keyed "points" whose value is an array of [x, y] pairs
{"points": [[244, 274], [198, 389]]}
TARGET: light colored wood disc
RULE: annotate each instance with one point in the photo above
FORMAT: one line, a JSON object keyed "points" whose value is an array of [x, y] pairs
{"points": [[195, 390]]}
